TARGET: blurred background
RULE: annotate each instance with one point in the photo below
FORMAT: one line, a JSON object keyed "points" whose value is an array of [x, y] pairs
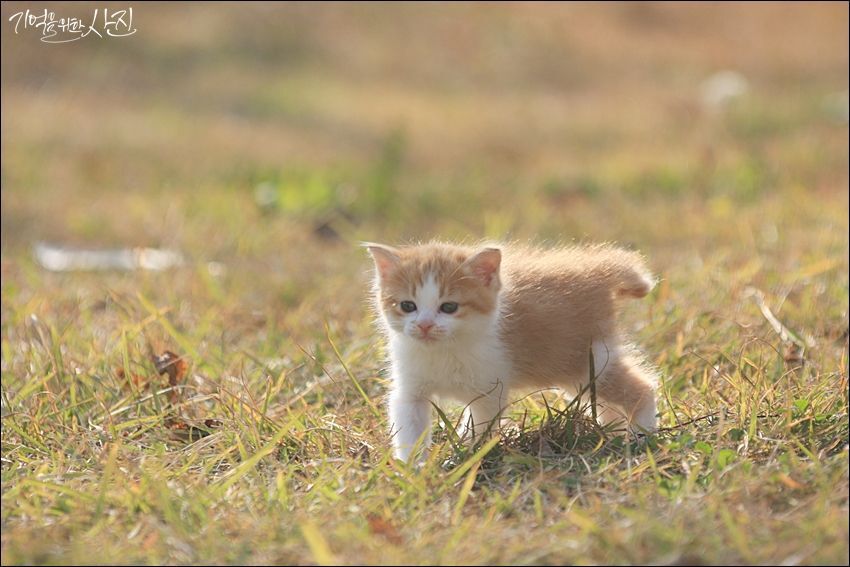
{"points": [[264, 140], [197, 191]]}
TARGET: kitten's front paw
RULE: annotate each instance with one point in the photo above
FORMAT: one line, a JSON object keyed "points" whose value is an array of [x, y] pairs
{"points": [[412, 453]]}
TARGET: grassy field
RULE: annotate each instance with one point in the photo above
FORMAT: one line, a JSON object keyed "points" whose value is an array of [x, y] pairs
{"points": [[264, 142]]}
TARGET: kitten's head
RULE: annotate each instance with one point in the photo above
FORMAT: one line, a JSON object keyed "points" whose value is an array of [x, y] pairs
{"points": [[436, 292]]}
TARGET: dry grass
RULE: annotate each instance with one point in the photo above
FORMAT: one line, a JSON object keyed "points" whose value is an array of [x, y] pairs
{"points": [[265, 142]]}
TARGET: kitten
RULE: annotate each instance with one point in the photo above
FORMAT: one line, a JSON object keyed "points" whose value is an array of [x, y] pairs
{"points": [[471, 323]]}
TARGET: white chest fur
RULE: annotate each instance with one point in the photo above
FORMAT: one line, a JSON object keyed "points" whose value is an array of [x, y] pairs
{"points": [[461, 369]]}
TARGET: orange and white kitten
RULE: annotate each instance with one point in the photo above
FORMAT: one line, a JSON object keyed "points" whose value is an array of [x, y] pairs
{"points": [[470, 324]]}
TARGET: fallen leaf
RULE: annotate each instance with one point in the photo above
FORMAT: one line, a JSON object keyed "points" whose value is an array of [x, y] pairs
{"points": [[382, 526], [150, 541], [793, 354], [326, 231], [137, 379], [173, 365], [790, 482], [189, 431]]}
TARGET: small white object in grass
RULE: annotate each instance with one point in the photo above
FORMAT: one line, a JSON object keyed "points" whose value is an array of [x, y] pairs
{"points": [[837, 106], [60, 259], [769, 233], [156, 259], [721, 88], [216, 269], [265, 195], [275, 363]]}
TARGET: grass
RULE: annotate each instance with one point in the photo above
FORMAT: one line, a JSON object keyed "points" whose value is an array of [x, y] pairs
{"points": [[265, 145]]}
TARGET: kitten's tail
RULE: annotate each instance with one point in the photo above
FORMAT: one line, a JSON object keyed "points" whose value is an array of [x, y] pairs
{"points": [[629, 273]]}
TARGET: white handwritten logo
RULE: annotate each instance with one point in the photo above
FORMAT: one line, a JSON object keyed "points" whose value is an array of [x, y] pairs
{"points": [[112, 23]]}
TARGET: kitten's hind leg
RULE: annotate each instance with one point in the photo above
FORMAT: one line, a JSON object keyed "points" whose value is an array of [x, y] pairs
{"points": [[626, 389]]}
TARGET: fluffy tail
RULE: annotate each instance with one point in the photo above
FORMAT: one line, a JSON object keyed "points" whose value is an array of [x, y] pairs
{"points": [[636, 283], [627, 272]]}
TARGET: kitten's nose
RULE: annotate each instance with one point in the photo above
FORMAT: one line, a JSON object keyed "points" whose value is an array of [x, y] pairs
{"points": [[425, 326]]}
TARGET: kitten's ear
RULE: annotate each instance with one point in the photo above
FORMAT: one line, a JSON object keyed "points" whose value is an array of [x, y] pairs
{"points": [[485, 265], [385, 257]]}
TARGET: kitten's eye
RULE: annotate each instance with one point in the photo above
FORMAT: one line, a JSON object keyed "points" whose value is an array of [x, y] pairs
{"points": [[407, 306], [448, 307]]}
